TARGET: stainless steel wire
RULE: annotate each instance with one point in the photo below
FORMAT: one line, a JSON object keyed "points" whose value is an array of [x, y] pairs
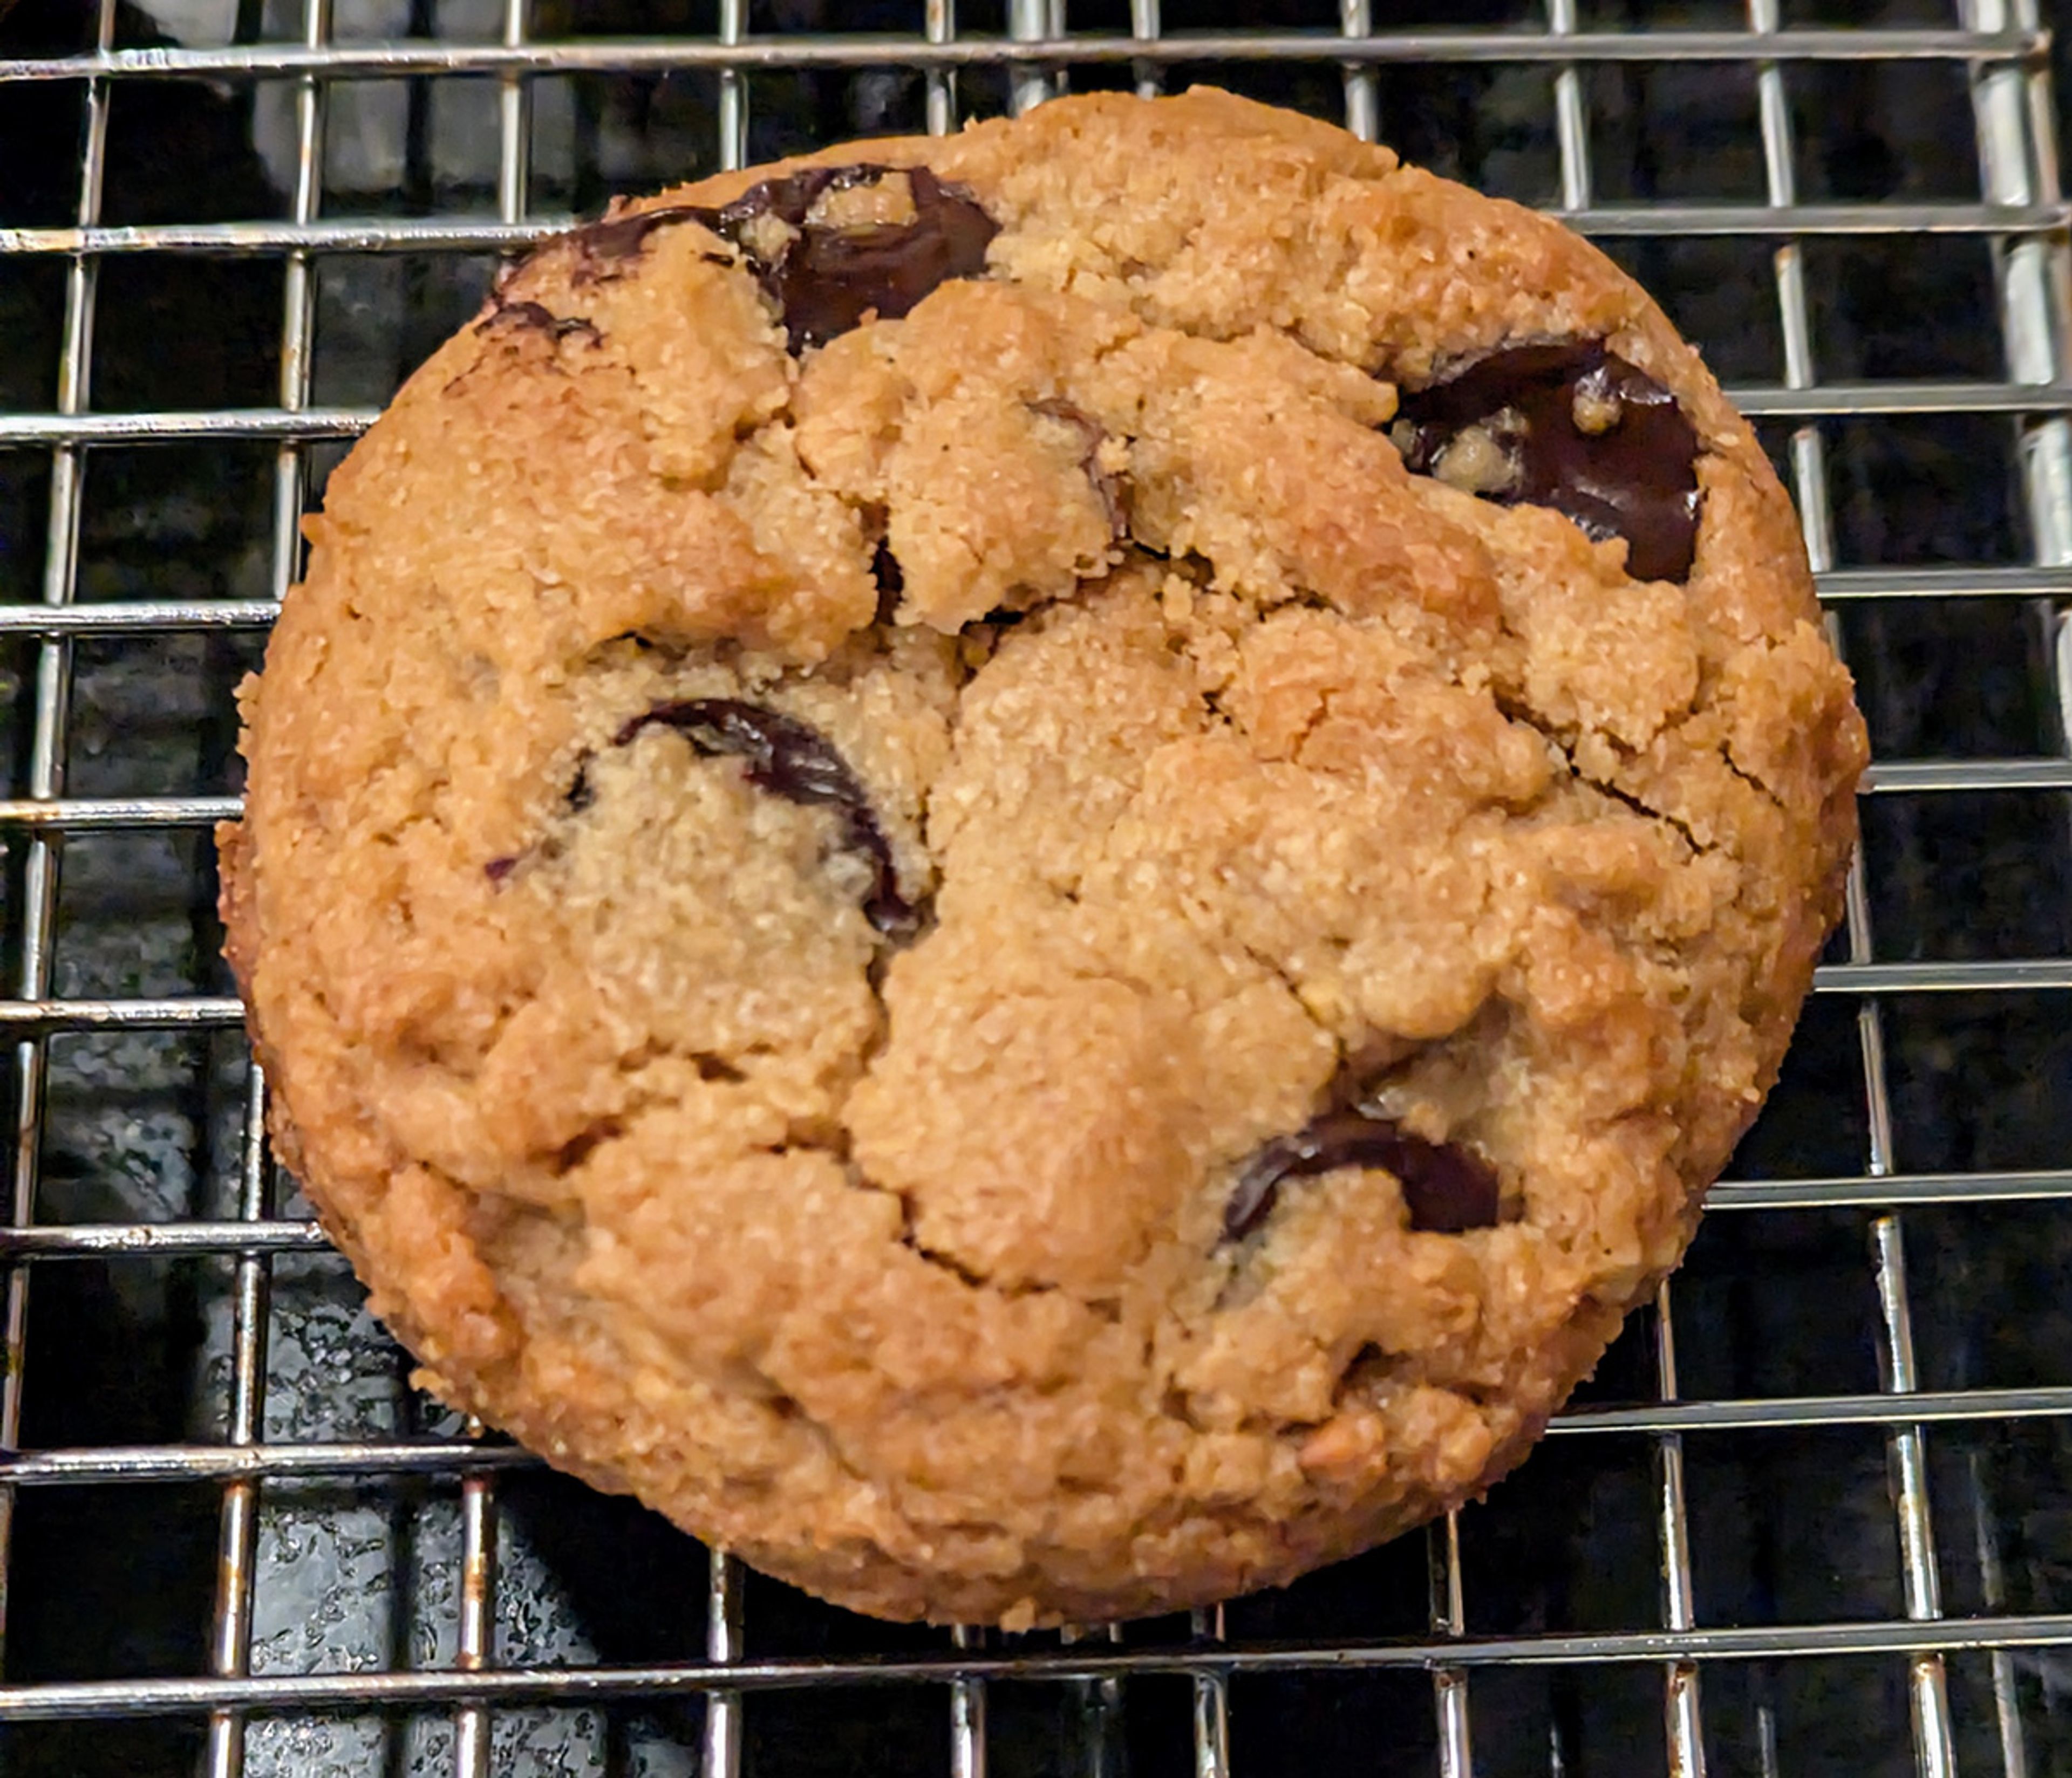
{"points": [[1928, 1690], [1363, 116], [1030, 81], [1211, 1701], [940, 25], [2017, 157], [1031, 42], [230, 1638], [724, 1629], [1663, 220], [1088, 1663], [1449, 1622], [474, 1648], [1145, 24], [733, 85], [230, 1642], [968, 1745], [280, 1460], [1682, 1716], [47, 769], [1571, 124], [1992, 1595]]}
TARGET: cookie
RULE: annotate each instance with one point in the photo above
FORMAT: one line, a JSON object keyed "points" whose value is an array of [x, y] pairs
{"points": [[1032, 872]]}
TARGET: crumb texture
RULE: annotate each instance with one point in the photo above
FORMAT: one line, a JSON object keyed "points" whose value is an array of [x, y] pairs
{"points": [[1004, 949]]}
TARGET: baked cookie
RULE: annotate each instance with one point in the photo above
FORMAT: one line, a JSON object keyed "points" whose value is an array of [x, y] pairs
{"points": [[1032, 872]]}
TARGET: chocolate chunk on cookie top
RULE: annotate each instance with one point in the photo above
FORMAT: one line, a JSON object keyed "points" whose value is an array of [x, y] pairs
{"points": [[830, 244], [1571, 426], [1032, 870], [791, 759], [836, 244], [1445, 1189]]}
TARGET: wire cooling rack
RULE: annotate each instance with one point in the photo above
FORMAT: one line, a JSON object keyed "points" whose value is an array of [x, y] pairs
{"points": [[1814, 1514]]}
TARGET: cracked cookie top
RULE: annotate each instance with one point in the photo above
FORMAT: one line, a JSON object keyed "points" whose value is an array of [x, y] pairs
{"points": [[1033, 871]]}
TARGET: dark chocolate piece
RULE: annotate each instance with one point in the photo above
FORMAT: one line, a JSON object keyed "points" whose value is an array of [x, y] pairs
{"points": [[580, 795], [793, 760], [827, 280], [601, 246], [824, 280], [1114, 496], [581, 792], [891, 582], [1584, 433], [1447, 1189], [538, 316]]}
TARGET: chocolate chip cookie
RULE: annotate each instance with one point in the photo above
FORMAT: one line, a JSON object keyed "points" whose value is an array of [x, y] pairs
{"points": [[1033, 872]]}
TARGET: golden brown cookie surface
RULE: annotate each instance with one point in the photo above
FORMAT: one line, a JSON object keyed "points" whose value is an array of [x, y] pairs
{"points": [[976, 862]]}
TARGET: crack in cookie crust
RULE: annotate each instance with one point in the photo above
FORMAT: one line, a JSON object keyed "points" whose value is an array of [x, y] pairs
{"points": [[1235, 755]]}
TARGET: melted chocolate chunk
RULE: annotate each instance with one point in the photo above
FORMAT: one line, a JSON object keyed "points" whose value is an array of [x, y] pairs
{"points": [[1447, 1189], [791, 759], [1114, 496], [539, 317], [1580, 430], [827, 279], [580, 794], [891, 582], [601, 246], [823, 279]]}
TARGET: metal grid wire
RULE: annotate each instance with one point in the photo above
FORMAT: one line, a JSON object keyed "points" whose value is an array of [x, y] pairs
{"points": [[1838, 1539]]}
